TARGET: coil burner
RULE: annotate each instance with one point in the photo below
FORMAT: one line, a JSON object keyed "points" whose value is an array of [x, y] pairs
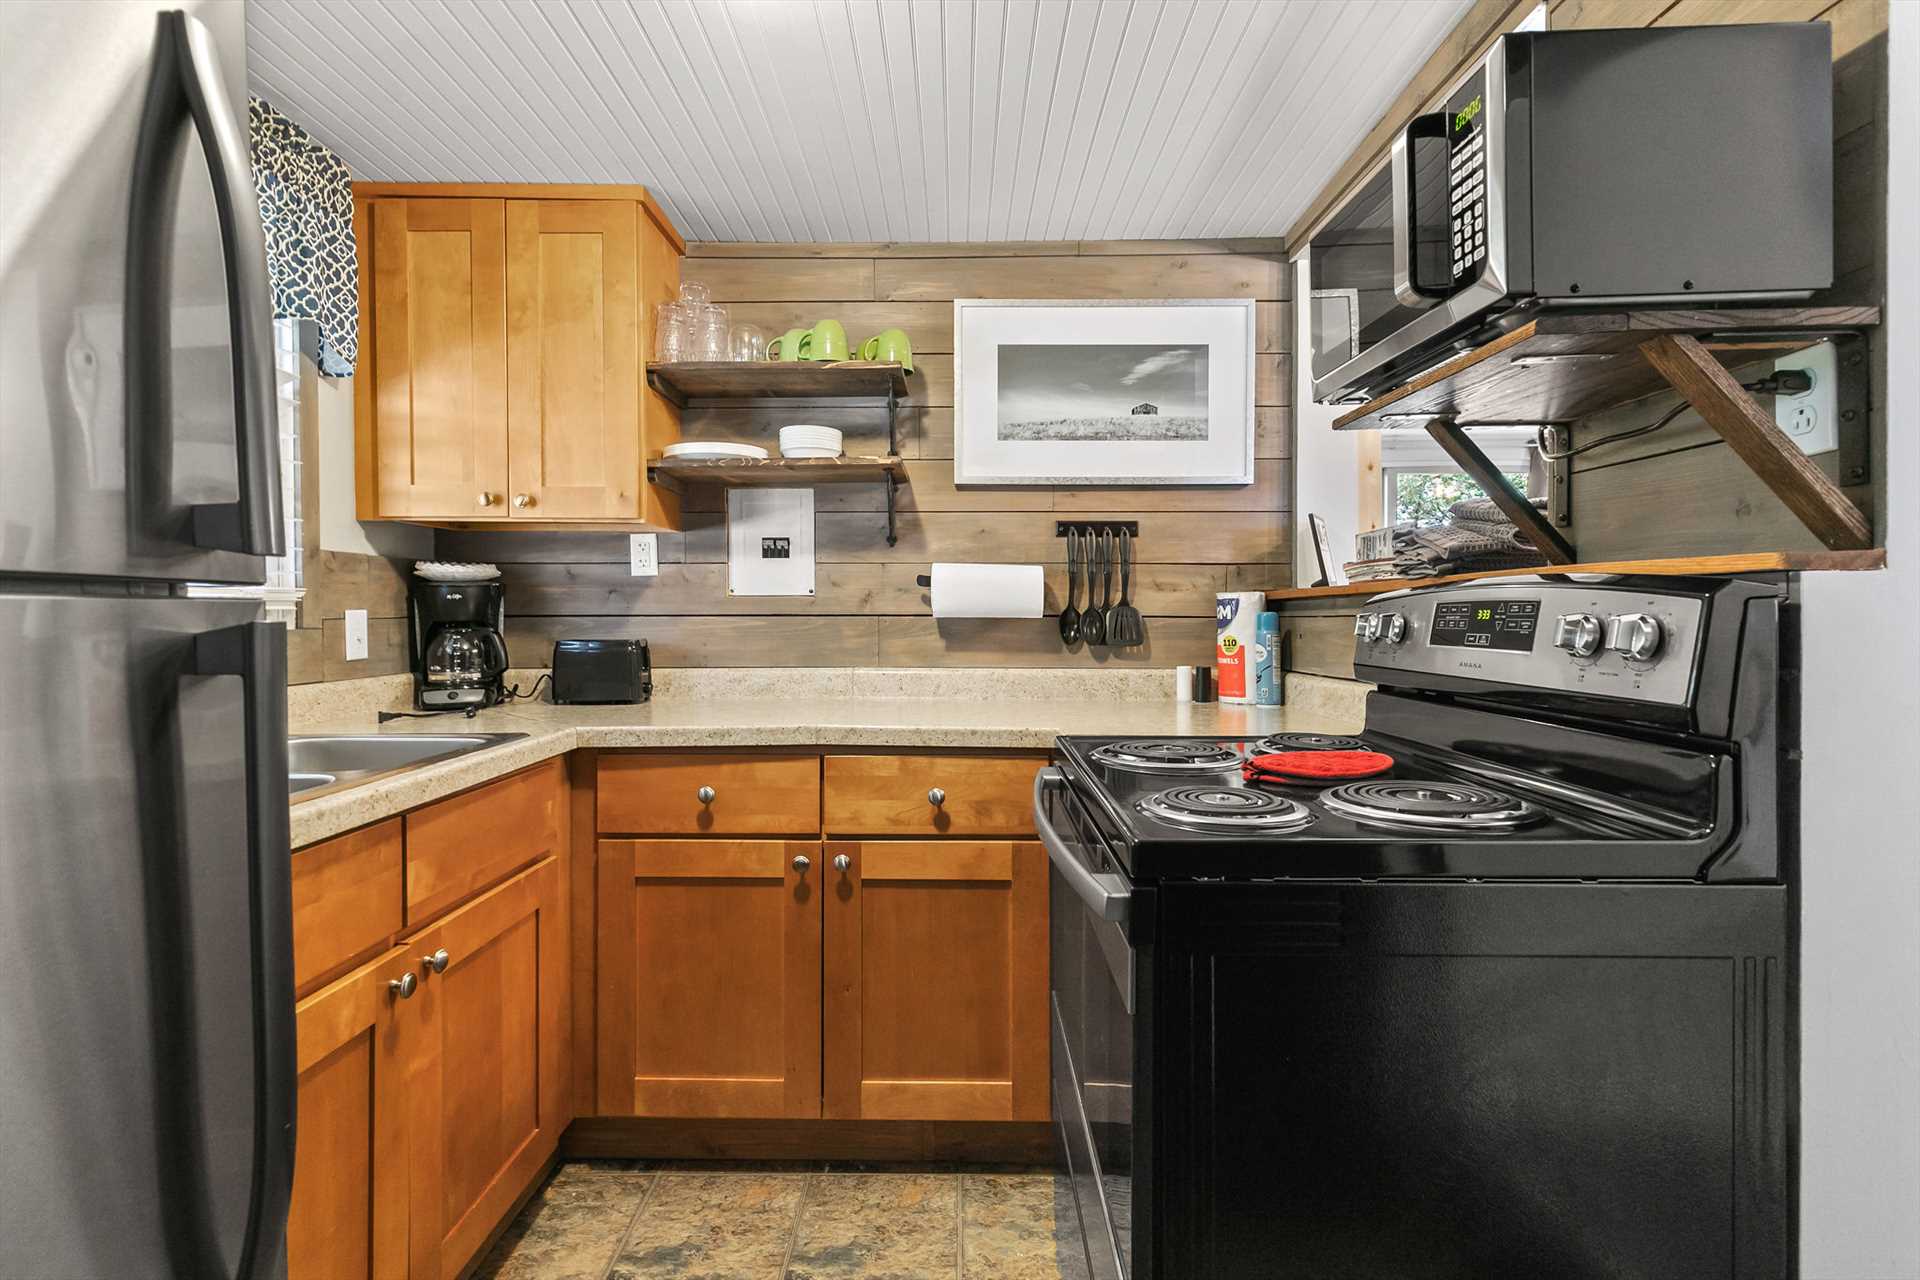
{"points": [[1147, 755], [1225, 809], [1435, 806], [1281, 743]]}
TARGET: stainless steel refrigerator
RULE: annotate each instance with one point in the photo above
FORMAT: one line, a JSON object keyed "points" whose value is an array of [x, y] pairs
{"points": [[146, 995]]}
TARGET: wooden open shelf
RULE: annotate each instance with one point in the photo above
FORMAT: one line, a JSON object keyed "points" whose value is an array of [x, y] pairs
{"points": [[782, 379], [677, 473], [1562, 366], [1693, 566]]}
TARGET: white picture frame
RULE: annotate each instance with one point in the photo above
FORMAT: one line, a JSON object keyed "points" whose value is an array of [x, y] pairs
{"points": [[1040, 391]]}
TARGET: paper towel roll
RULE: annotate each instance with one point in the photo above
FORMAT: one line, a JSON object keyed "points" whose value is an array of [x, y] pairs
{"points": [[989, 591]]}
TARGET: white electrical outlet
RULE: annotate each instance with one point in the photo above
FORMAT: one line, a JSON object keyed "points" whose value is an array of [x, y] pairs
{"points": [[356, 634], [1811, 419], [643, 553]]}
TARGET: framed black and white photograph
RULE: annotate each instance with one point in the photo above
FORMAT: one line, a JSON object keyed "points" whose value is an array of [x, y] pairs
{"points": [[1103, 392]]}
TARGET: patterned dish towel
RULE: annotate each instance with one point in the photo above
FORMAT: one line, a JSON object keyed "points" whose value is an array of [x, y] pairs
{"points": [[306, 209]]}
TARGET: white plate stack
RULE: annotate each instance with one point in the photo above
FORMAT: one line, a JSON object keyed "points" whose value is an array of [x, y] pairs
{"points": [[450, 571], [802, 440]]}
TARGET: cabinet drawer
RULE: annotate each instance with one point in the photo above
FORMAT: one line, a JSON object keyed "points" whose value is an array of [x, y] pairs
{"points": [[896, 794], [462, 844], [721, 794], [347, 899]]}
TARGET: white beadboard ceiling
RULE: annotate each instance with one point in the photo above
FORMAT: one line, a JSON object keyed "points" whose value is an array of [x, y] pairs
{"points": [[862, 120]]}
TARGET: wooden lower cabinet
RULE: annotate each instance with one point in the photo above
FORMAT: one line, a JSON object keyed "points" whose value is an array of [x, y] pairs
{"points": [[936, 980], [486, 1089], [709, 978], [348, 1220], [424, 1116]]}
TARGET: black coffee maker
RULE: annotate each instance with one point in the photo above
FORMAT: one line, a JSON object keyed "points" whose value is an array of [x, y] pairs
{"points": [[454, 634]]}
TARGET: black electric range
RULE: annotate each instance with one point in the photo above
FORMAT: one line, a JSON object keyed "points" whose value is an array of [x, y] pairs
{"points": [[1518, 1004]]}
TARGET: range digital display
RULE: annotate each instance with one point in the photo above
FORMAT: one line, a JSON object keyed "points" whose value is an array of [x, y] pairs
{"points": [[1485, 624]]}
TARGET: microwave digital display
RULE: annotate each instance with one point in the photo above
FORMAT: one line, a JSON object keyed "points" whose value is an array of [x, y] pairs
{"points": [[1485, 624]]}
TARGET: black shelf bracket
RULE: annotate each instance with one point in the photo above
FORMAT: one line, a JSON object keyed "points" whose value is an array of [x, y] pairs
{"points": [[667, 389], [893, 532], [893, 436]]}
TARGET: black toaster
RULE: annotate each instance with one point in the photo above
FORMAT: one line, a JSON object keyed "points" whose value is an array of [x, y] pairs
{"points": [[601, 671]]}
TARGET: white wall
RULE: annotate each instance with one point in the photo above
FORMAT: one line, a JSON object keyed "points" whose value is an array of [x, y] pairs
{"points": [[1860, 838], [1325, 462], [339, 530]]}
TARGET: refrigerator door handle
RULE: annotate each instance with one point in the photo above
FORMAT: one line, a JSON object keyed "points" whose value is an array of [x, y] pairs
{"points": [[187, 85], [256, 652]]}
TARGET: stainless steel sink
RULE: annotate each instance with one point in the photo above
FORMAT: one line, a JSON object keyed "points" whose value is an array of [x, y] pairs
{"points": [[326, 761]]}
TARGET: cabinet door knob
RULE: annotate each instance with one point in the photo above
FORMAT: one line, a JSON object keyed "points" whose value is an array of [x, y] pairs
{"points": [[841, 862], [486, 499], [403, 986], [438, 961], [705, 795], [936, 797], [801, 862], [522, 499]]}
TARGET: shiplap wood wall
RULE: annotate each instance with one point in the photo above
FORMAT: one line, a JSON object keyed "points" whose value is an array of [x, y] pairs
{"points": [[868, 610]]}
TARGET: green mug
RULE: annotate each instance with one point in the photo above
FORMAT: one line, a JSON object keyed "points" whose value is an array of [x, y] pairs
{"points": [[825, 341], [788, 345], [889, 345]]}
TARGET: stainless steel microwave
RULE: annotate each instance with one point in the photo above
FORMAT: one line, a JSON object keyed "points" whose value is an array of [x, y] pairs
{"points": [[1685, 165]]}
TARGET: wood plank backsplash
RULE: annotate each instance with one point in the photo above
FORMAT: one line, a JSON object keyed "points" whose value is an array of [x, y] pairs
{"points": [[868, 610]]}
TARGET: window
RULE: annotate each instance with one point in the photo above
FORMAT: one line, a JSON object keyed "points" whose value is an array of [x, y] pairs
{"points": [[1420, 482]]}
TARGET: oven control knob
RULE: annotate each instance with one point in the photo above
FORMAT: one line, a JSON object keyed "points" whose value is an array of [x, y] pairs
{"points": [[1367, 626], [1634, 635], [1393, 627], [1578, 634]]}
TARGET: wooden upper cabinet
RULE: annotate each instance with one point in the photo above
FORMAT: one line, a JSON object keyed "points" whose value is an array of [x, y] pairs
{"points": [[348, 1219], [505, 330], [935, 973], [573, 359], [709, 978], [439, 358]]}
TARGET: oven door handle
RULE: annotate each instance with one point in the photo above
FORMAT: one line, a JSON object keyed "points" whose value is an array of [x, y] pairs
{"points": [[1105, 895]]}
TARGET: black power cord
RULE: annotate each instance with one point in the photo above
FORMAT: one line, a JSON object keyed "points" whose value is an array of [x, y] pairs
{"points": [[1787, 382]]}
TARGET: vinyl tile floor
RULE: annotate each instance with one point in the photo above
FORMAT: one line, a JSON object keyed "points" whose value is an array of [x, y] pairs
{"points": [[630, 1220]]}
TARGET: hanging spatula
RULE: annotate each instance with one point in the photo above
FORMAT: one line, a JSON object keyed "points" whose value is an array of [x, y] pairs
{"points": [[1125, 626]]}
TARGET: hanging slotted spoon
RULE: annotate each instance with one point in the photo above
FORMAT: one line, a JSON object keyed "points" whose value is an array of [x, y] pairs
{"points": [[1125, 626], [1070, 616]]}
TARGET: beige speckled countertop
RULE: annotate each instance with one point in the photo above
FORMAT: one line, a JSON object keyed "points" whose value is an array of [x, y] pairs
{"points": [[795, 722]]}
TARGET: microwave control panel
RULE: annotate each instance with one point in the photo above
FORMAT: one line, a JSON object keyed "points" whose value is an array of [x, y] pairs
{"points": [[1467, 180]]}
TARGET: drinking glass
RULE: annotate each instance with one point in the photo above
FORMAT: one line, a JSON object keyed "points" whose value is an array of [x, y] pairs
{"points": [[749, 343], [672, 333], [710, 332]]}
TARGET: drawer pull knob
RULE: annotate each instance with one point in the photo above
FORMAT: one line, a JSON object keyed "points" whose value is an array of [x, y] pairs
{"points": [[705, 795], [801, 862], [936, 797], [486, 499], [438, 961], [841, 862], [403, 986], [523, 500]]}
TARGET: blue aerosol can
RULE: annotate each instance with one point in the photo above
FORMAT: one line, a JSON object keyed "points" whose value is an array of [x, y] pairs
{"points": [[1266, 661]]}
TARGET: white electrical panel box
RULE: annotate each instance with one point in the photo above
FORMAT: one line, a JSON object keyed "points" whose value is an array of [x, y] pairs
{"points": [[770, 542]]}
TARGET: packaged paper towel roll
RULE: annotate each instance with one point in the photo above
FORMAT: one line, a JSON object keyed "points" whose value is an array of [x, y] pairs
{"points": [[989, 591]]}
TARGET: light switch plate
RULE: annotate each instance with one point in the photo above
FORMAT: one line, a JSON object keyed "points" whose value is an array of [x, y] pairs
{"points": [[356, 634], [643, 555], [1812, 418]]}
